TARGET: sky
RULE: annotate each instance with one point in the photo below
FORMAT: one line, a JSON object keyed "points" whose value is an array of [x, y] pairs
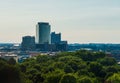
{"points": [[79, 21]]}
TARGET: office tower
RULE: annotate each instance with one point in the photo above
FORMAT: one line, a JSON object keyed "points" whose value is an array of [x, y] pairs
{"points": [[55, 38], [28, 43], [64, 42], [43, 33]]}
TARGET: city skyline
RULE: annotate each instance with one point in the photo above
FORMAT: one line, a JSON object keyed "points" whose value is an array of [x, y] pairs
{"points": [[88, 21]]}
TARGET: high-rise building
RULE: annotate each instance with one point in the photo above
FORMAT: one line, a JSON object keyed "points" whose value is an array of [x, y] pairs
{"points": [[28, 43], [43, 31], [55, 38]]}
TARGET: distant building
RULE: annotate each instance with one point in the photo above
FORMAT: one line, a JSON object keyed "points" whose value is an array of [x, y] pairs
{"points": [[52, 47], [43, 47], [9, 56], [43, 31], [28, 43], [55, 38], [63, 42]]}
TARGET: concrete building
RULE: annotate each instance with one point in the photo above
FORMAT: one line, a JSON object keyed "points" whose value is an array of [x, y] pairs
{"points": [[28, 43], [43, 31], [9, 56], [55, 38], [64, 42]]}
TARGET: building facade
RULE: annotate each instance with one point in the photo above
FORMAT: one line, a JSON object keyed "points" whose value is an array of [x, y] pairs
{"points": [[43, 31], [28, 43], [55, 38]]}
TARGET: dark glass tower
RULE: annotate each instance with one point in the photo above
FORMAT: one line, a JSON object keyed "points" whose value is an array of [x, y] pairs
{"points": [[28, 43], [55, 38], [43, 33]]}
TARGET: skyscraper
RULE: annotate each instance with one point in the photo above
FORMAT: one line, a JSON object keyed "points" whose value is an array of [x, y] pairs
{"points": [[55, 38], [28, 43], [43, 31]]}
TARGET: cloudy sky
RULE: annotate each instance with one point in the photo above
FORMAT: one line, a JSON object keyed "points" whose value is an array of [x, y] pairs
{"points": [[79, 21]]}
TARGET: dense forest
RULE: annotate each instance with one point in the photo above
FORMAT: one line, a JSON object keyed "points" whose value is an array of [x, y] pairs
{"points": [[66, 67]]}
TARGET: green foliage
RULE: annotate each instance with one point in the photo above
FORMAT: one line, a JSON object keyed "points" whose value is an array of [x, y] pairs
{"points": [[115, 78], [68, 78], [12, 61], [42, 58], [68, 58], [108, 61], [10, 73], [59, 65], [66, 67], [38, 78], [89, 56], [23, 67], [112, 69], [73, 65], [80, 66], [95, 68], [83, 72], [85, 79], [54, 77]]}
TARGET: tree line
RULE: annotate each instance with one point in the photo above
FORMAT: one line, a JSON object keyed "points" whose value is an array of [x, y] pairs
{"points": [[67, 67]]}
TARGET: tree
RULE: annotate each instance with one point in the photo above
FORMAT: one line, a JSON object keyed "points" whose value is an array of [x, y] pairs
{"points": [[10, 74], [85, 55], [115, 78], [53, 77], [42, 58], [85, 79], [73, 65], [89, 56], [95, 68], [38, 78], [59, 65], [12, 61], [108, 61], [112, 69], [68, 78], [68, 69]]}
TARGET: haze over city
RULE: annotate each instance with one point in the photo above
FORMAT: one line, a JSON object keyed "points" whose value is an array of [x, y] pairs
{"points": [[79, 21]]}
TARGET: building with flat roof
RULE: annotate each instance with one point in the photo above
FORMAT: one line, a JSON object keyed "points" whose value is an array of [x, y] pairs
{"points": [[43, 31], [28, 43], [55, 38]]}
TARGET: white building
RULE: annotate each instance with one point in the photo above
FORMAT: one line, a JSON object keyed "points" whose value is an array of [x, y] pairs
{"points": [[9, 56]]}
